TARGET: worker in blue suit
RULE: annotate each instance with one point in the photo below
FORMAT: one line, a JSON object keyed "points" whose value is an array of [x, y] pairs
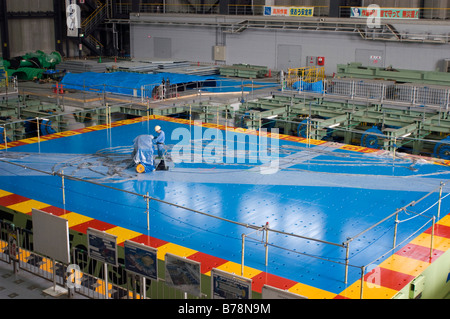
{"points": [[159, 141]]}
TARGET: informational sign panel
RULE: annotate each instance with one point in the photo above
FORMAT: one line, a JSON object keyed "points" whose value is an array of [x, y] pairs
{"points": [[288, 11], [269, 292], [183, 274], [102, 246], [51, 235], [385, 13], [229, 286], [141, 259]]}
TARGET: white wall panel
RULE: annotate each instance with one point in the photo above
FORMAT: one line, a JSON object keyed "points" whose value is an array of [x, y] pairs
{"points": [[259, 47], [29, 35]]}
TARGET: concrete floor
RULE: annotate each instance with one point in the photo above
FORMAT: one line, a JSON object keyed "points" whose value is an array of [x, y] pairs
{"points": [[25, 285]]}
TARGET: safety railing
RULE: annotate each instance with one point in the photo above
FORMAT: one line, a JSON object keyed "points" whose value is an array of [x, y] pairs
{"points": [[433, 11], [342, 255], [9, 87], [96, 17], [165, 90], [92, 283], [16, 249], [375, 90]]}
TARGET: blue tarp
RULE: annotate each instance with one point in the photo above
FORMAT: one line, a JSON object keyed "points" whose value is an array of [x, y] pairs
{"points": [[125, 82], [224, 85], [132, 83], [310, 87]]}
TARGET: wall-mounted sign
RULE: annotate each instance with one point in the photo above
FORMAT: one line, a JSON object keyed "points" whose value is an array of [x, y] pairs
{"points": [[289, 11], [385, 13]]}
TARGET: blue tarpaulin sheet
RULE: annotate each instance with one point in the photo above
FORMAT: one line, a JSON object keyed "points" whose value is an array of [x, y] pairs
{"points": [[126, 82], [310, 87], [135, 84]]}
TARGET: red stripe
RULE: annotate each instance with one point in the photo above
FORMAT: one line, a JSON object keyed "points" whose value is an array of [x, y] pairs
{"points": [[417, 252], [96, 224], [340, 297], [265, 278], [208, 262], [149, 241], [55, 210], [440, 230], [388, 278], [12, 199]]}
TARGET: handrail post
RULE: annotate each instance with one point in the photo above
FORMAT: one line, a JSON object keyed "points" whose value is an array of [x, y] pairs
{"points": [[439, 202], [362, 282], [63, 189], [432, 237], [4, 137], [347, 250], [38, 130], [242, 256], [395, 229], [148, 211], [267, 243]]}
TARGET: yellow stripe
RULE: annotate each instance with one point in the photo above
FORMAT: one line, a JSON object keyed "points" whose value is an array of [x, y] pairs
{"points": [[405, 265], [175, 250], [4, 193], [370, 291], [439, 242], [26, 206], [445, 221], [311, 292], [122, 233], [236, 269], [75, 219], [30, 140]]}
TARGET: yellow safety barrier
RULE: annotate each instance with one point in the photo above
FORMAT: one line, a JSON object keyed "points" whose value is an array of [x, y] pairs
{"points": [[309, 74]]}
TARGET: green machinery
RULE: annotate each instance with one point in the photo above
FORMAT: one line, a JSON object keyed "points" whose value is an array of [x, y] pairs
{"points": [[17, 116], [244, 71], [31, 65], [357, 70], [415, 130]]}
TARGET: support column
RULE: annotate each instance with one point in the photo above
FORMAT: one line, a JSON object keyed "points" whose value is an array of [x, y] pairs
{"points": [[6, 54], [58, 26]]}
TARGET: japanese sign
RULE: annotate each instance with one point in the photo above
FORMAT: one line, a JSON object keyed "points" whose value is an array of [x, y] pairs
{"points": [[385, 13], [289, 11]]}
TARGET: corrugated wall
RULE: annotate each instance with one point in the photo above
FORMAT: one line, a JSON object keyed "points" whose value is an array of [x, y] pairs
{"points": [[30, 34], [263, 47]]}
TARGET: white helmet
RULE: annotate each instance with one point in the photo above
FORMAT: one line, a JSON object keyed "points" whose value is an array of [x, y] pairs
{"points": [[157, 128]]}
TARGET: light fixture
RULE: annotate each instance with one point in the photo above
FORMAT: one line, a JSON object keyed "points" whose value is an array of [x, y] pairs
{"points": [[271, 117], [406, 135], [334, 125]]}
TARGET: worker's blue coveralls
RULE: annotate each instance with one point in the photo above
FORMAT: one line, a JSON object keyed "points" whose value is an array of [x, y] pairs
{"points": [[159, 141]]}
